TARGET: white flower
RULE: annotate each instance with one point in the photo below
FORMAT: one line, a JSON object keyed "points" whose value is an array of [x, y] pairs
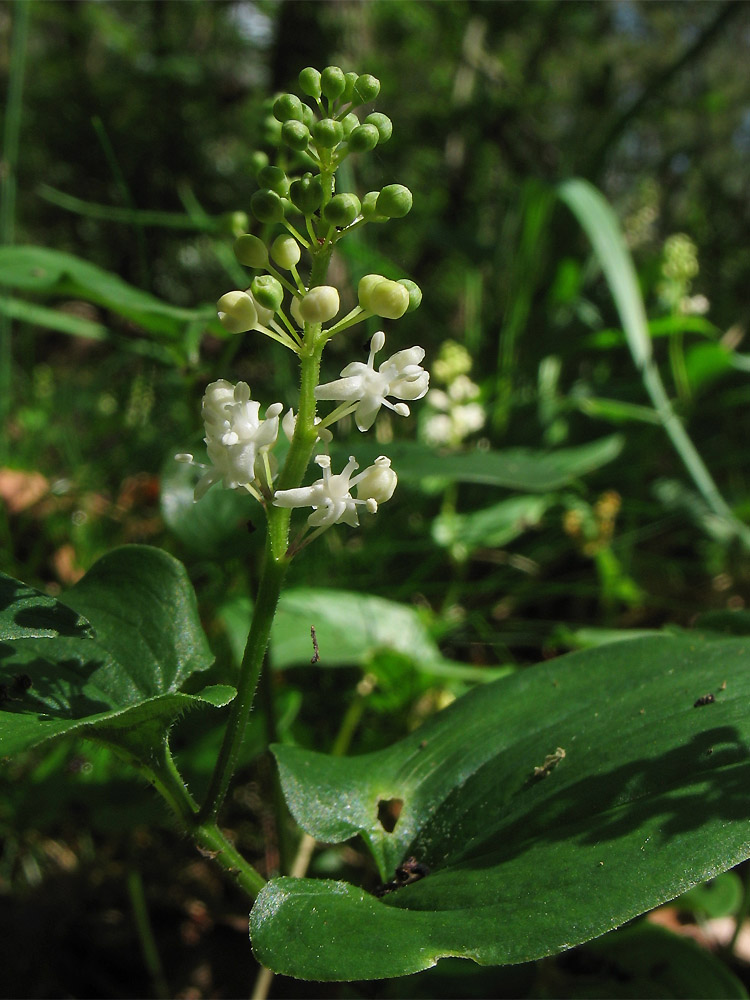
{"points": [[366, 390], [289, 422], [460, 413], [331, 498], [236, 436]]}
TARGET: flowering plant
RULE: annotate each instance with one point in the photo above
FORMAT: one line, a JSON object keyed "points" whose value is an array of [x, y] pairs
{"points": [[493, 825]]}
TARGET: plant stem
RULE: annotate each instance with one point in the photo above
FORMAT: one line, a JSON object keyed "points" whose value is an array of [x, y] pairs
{"points": [[162, 773], [276, 560], [688, 452], [146, 937], [206, 834], [272, 578]]}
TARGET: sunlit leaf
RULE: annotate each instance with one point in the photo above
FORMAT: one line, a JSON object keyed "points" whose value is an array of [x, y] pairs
{"points": [[108, 662], [648, 800]]}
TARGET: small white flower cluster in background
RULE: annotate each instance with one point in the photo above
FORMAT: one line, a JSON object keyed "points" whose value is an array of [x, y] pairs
{"points": [[454, 413]]}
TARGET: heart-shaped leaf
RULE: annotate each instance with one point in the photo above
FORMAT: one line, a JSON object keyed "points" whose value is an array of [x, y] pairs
{"points": [[108, 662], [616, 774]]}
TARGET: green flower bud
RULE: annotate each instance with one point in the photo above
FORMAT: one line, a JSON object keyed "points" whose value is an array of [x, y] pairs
{"points": [[328, 133], [365, 286], [237, 312], [235, 223], [296, 135], [383, 297], [285, 250], [306, 193], [320, 304], [258, 160], [275, 179], [415, 293], [309, 82], [394, 201], [349, 123], [332, 82], [267, 291], [251, 251], [367, 87], [342, 209], [369, 211], [308, 118], [287, 108], [363, 139], [267, 206], [382, 123], [350, 80], [271, 131]]}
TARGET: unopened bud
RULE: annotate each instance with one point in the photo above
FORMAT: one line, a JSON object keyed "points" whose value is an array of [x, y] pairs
{"points": [[306, 194], [332, 82], [394, 201], [309, 82], [267, 206], [342, 209], [287, 108], [378, 481], [328, 133], [320, 304], [367, 87], [369, 210], [267, 291], [285, 251], [349, 81], [274, 179], [382, 123], [415, 293], [349, 123], [258, 160], [237, 312], [383, 297], [251, 251], [296, 135], [363, 139]]}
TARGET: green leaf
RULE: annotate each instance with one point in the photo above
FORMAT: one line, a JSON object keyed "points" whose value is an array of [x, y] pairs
{"points": [[614, 410], [649, 800], [78, 326], [491, 527], [514, 468], [107, 663], [721, 897], [220, 525], [663, 326], [643, 960], [25, 613], [353, 629], [603, 229], [45, 271]]}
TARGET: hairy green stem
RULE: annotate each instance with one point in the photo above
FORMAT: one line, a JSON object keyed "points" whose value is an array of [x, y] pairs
{"points": [[162, 774], [275, 561]]}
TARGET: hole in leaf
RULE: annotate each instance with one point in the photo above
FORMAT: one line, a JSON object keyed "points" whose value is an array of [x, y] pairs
{"points": [[389, 811]]}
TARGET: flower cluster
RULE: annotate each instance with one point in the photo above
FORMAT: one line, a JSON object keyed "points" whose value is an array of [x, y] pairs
{"points": [[294, 307], [455, 412]]}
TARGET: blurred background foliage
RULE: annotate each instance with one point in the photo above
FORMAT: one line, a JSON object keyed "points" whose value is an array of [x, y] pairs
{"points": [[137, 124]]}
